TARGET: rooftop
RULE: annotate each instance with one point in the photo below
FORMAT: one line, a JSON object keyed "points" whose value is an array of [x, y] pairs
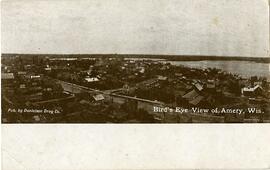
{"points": [[7, 76]]}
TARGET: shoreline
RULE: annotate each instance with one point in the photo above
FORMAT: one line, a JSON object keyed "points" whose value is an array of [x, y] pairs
{"points": [[150, 56]]}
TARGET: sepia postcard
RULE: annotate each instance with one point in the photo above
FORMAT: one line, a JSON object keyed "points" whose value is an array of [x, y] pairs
{"points": [[135, 62]]}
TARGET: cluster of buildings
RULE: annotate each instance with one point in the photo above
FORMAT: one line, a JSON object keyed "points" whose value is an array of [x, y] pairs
{"points": [[100, 83], [24, 86]]}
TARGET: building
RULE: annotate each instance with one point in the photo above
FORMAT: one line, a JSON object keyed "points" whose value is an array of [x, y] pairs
{"points": [[197, 100], [7, 76], [98, 97], [8, 80], [198, 86], [162, 78], [91, 79], [252, 91]]}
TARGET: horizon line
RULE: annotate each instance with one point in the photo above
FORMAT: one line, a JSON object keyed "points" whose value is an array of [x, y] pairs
{"points": [[134, 54]]}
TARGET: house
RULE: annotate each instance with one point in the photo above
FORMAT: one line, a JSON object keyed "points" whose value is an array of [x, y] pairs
{"points": [[48, 69], [28, 67], [35, 77], [21, 72], [148, 83], [257, 83], [98, 97], [8, 79], [141, 69], [198, 86], [91, 79], [162, 78], [194, 98], [165, 67], [191, 95], [252, 91], [7, 76]]}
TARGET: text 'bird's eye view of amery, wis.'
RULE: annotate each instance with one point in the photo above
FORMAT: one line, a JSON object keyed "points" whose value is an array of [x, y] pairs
{"points": [[122, 61]]}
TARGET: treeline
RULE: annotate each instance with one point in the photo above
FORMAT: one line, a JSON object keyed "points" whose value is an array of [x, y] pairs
{"points": [[166, 57]]}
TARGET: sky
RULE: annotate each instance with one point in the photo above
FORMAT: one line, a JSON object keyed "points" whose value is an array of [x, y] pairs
{"points": [[174, 27]]}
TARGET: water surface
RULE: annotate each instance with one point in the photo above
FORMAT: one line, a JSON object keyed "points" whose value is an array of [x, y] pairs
{"points": [[243, 68]]}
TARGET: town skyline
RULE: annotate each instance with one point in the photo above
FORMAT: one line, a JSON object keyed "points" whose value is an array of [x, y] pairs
{"points": [[157, 56]]}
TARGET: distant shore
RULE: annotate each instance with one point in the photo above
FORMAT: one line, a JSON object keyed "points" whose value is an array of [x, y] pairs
{"points": [[166, 57]]}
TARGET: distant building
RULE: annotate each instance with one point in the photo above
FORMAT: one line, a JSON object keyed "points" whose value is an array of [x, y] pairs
{"points": [[162, 78], [148, 83], [48, 69], [198, 86], [98, 97], [191, 95], [194, 98], [8, 80], [7, 76], [35, 77], [141, 69], [252, 91], [21, 72], [27, 67], [258, 83], [91, 79]]}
